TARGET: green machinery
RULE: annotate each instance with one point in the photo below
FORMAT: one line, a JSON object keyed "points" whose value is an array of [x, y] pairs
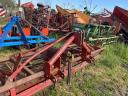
{"points": [[96, 34]]}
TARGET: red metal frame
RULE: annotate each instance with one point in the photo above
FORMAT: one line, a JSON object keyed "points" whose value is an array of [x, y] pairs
{"points": [[51, 72]]}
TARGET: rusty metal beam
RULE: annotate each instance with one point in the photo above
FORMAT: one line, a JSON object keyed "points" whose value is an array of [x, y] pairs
{"points": [[10, 85]]}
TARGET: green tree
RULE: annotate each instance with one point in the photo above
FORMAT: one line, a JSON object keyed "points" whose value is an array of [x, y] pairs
{"points": [[8, 3]]}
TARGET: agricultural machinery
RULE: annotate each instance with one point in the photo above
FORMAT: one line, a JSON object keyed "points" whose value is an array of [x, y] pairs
{"points": [[13, 35], [28, 72], [94, 33], [71, 20], [98, 34], [120, 16]]}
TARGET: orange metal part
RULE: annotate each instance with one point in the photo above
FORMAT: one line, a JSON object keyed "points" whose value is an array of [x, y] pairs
{"points": [[45, 31], [80, 17], [26, 31]]}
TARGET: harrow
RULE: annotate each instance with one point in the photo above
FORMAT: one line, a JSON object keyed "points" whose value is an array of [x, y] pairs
{"points": [[26, 73]]}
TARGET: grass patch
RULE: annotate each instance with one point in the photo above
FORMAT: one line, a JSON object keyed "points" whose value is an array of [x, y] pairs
{"points": [[6, 52], [108, 77], [57, 36]]}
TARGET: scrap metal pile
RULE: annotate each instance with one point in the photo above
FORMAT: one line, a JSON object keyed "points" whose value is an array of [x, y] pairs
{"points": [[26, 73]]}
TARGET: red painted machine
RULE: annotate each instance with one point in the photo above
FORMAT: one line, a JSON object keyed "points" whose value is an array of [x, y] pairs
{"points": [[121, 15], [28, 5], [34, 70]]}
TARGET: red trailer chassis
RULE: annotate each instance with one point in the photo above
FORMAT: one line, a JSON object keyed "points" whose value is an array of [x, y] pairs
{"points": [[41, 67]]}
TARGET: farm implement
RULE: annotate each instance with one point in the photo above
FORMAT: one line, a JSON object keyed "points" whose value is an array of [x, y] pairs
{"points": [[65, 20], [26, 73], [94, 33], [13, 35]]}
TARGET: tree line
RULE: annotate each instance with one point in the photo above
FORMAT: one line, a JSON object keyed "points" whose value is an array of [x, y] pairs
{"points": [[8, 3]]}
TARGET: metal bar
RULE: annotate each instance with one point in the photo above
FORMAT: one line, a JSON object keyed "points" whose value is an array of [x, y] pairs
{"points": [[13, 92], [10, 85], [21, 31], [4, 44], [70, 63], [33, 49], [51, 29], [28, 70], [8, 27], [96, 39], [95, 53], [61, 50], [85, 45], [19, 38]]}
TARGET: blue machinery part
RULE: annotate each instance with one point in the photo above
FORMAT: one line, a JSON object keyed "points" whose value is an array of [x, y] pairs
{"points": [[6, 40]]}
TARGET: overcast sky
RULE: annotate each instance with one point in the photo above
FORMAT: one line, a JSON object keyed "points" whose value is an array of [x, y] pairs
{"points": [[79, 4]]}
